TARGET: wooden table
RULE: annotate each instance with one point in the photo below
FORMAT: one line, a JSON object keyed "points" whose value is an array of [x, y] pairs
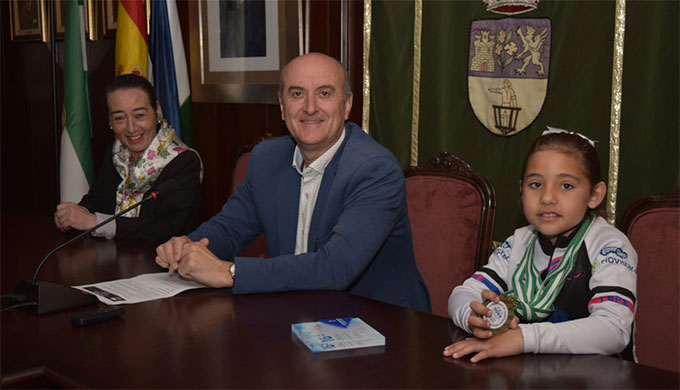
{"points": [[210, 338]]}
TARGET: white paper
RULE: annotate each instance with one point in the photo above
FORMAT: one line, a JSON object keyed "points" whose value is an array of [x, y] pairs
{"points": [[142, 288]]}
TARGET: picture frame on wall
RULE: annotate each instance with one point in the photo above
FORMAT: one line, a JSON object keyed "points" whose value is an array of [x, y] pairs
{"points": [[89, 8], [109, 18], [91, 20], [59, 17], [26, 27], [27, 20], [238, 49]]}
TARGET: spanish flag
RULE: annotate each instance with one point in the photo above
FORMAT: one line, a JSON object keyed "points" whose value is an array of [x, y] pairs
{"points": [[132, 40]]}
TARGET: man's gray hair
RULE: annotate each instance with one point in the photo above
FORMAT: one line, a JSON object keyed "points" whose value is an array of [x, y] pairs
{"points": [[346, 87]]}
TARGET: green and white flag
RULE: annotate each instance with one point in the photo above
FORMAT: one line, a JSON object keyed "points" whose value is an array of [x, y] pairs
{"points": [[76, 163]]}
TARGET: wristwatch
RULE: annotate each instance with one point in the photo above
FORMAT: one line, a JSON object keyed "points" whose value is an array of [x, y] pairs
{"points": [[232, 271]]}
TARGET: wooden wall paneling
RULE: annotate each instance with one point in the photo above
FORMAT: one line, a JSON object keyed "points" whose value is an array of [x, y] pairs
{"points": [[27, 131], [207, 143], [325, 37], [29, 155], [28, 177], [4, 31], [320, 21], [101, 64], [221, 130]]}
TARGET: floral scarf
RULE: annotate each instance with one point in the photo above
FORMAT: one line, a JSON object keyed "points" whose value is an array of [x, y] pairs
{"points": [[138, 176]]}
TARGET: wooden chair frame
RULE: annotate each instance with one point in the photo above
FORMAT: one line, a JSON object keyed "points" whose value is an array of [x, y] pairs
{"points": [[670, 198], [646, 208], [258, 248], [451, 166], [240, 153]]}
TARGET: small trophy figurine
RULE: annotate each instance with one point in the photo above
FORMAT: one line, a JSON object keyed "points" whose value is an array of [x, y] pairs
{"points": [[502, 314]]}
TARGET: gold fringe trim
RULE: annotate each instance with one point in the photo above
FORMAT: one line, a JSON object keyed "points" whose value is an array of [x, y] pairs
{"points": [[366, 108], [615, 120], [92, 19], [44, 17], [415, 114], [301, 36]]}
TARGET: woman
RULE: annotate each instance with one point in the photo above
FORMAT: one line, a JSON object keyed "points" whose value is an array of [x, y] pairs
{"points": [[145, 154]]}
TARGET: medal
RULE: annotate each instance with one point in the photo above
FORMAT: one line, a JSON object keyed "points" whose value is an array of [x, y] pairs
{"points": [[502, 314]]}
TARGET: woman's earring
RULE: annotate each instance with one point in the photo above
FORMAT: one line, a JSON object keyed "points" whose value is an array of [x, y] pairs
{"points": [[110, 127]]}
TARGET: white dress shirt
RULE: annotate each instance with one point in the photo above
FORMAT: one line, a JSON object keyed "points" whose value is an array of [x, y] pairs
{"points": [[310, 182]]}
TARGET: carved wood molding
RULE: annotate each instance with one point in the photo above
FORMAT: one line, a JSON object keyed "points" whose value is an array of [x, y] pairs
{"points": [[669, 198], [447, 165], [445, 162]]}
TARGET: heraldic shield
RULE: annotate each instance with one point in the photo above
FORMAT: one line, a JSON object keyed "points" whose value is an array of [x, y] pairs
{"points": [[509, 64]]}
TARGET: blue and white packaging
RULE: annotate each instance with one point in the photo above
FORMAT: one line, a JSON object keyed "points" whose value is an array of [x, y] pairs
{"points": [[337, 334]]}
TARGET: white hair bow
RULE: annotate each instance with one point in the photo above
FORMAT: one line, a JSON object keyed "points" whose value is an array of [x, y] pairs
{"points": [[553, 130]]}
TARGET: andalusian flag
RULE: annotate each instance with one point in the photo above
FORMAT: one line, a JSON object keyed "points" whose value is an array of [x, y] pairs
{"points": [[132, 41], [170, 68], [76, 165]]}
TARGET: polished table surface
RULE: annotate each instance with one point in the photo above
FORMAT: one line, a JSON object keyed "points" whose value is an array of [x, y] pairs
{"points": [[209, 338]]}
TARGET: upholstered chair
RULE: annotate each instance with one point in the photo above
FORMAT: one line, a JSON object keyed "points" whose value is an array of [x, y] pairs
{"points": [[257, 248], [653, 226], [452, 209]]}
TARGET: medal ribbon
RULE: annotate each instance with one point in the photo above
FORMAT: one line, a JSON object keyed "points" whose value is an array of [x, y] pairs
{"points": [[535, 297]]}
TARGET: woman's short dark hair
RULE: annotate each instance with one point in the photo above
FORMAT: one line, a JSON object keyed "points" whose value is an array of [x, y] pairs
{"points": [[131, 81]]}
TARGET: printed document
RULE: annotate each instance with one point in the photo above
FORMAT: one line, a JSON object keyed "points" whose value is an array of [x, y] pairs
{"points": [[142, 288]]}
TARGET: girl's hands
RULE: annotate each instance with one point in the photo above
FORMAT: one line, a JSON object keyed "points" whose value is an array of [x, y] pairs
{"points": [[508, 344], [479, 326]]}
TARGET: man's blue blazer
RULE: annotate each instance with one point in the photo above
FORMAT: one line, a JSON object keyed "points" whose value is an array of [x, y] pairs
{"points": [[360, 235]]}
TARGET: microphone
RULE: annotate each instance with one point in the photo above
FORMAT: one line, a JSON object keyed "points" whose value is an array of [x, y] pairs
{"points": [[50, 297]]}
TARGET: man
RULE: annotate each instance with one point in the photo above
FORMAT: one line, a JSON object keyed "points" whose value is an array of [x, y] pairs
{"points": [[330, 201]]}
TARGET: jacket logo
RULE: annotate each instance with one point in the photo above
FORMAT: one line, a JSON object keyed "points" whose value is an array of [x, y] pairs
{"points": [[614, 249], [504, 251]]}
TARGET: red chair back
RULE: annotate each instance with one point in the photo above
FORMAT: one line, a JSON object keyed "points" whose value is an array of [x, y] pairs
{"points": [[652, 224], [240, 170], [257, 248], [451, 210]]}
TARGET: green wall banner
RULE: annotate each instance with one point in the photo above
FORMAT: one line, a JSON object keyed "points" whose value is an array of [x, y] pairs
{"points": [[621, 92]]}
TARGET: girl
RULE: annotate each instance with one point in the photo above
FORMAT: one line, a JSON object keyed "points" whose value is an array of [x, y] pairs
{"points": [[570, 276]]}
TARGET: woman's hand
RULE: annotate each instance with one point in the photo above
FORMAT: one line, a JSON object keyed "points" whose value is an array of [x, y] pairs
{"points": [[508, 344], [70, 215]]}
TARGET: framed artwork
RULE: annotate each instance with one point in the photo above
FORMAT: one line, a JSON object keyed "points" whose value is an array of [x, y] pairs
{"points": [[89, 8], [109, 17], [91, 22], [59, 17], [239, 47], [27, 20]]}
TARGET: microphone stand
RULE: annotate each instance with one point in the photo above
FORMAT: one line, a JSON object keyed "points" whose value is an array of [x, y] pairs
{"points": [[50, 297]]}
